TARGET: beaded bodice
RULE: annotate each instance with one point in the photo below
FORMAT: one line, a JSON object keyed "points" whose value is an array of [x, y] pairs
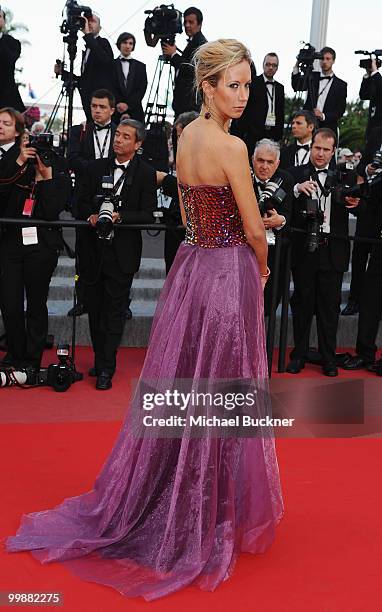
{"points": [[213, 218]]}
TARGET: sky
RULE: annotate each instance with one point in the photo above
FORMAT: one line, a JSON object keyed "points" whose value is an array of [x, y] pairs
{"points": [[266, 25]]}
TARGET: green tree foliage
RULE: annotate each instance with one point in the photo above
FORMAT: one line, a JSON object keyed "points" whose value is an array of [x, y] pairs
{"points": [[353, 126]]}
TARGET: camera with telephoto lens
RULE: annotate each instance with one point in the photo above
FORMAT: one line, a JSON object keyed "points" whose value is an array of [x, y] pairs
{"points": [[347, 186], [74, 16], [165, 22], [271, 196], [46, 145], [108, 203], [315, 219], [366, 64], [307, 55]]}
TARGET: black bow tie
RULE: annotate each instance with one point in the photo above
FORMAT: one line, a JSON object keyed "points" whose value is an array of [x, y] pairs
{"points": [[324, 170], [269, 82], [261, 185], [124, 59], [117, 166], [305, 147], [98, 128], [2, 151], [325, 78]]}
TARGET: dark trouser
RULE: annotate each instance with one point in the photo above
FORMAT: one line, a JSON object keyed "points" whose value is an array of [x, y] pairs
{"points": [[26, 269], [360, 255], [370, 307], [107, 301], [173, 238], [317, 290]]}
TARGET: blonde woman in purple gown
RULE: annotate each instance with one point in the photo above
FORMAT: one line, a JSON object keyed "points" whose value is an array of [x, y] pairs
{"points": [[168, 512]]}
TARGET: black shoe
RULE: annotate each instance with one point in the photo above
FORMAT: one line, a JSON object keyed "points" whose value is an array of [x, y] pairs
{"points": [[93, 372], [356, 363], [375, 367], [128, 313], [77, 310], [330, 369], [295, 365], [351, 308], [103, 381]]}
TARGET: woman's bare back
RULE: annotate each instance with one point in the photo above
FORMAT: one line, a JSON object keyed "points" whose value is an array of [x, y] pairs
{"points": [[201, 154]]}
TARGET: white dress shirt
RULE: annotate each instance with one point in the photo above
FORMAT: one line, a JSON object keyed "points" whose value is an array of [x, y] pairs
{"points": [[325, 201], [302, 156], [323, 90], [5, 147], [125, 66], [117, 174], [270, 119], [101, 145]]}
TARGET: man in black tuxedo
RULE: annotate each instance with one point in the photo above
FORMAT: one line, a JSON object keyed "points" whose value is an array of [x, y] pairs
{"points": [[10, 50], [89, 141], [327, 99], [263, 117], [96, 67], [371, 89], [297, 154], [28, 255], [265, 162], [370, 308], [184, 95], [318, 271], [129, 80], [113, 262]]}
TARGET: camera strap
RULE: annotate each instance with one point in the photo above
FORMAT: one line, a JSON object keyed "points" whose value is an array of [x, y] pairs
{"points": [[327, 84]]}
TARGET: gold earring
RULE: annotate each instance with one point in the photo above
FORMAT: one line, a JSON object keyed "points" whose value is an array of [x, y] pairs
{"points": [[207, 114]]}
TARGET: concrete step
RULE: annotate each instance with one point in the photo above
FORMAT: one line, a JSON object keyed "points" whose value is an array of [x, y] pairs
{"points": [[61, 288], [150, 268]]}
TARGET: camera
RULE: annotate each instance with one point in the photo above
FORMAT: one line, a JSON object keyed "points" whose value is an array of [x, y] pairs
{"points": [[164, 22], [315, 218], [347, 182], [74, 16], [271, 196], [109, 203], [45, 144], [366, 63], [307, 55]]}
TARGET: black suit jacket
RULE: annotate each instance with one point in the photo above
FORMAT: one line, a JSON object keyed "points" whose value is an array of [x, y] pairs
{"points": [[139, 199], [373, 203], [50, 196], [335, 103], [97, 72], [133, 91], [10, 50], [81, 150], [184, 93], [339, 224], [251, 125], [285, 208], [371, 89], [288, 156]]}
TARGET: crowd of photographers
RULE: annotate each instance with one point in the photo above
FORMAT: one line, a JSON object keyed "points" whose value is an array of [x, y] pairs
{"points": [[307, 184]]}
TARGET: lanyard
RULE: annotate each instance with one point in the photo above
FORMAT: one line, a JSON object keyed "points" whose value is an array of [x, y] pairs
{"points": [[120, 181], [101, 152], [270, 96], [302, 162]]}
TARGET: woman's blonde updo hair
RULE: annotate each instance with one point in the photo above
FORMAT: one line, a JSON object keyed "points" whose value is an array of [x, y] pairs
{"points": [[212, 58]]}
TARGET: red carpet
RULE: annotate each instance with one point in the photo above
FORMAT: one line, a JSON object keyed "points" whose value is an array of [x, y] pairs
{"points": [[326, 558]]}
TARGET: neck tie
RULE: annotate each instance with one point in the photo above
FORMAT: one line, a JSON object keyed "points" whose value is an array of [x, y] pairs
{"points": [[98, 128], [321, 170], [269, 82], [302, 146], [124, 59], [2, 151], [325, 78], [117, 166]]}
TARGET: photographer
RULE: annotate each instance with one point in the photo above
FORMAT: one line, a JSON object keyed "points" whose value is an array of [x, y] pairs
{"points": [[263, 116], [10, 50], [114, 260], [297, 154], [129, 80], [318, 260], [371, 89], [326, 92], [169, 185], [265, 161], [89, 141], [184, 94], [29, 255], [96, 64], [370, 308]]}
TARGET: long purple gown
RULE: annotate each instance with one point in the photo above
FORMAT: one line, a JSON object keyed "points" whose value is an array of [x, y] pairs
{"points": [[167, 513]]}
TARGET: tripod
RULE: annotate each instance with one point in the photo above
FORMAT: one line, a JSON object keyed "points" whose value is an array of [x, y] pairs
{"points": [[155, 149]]}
